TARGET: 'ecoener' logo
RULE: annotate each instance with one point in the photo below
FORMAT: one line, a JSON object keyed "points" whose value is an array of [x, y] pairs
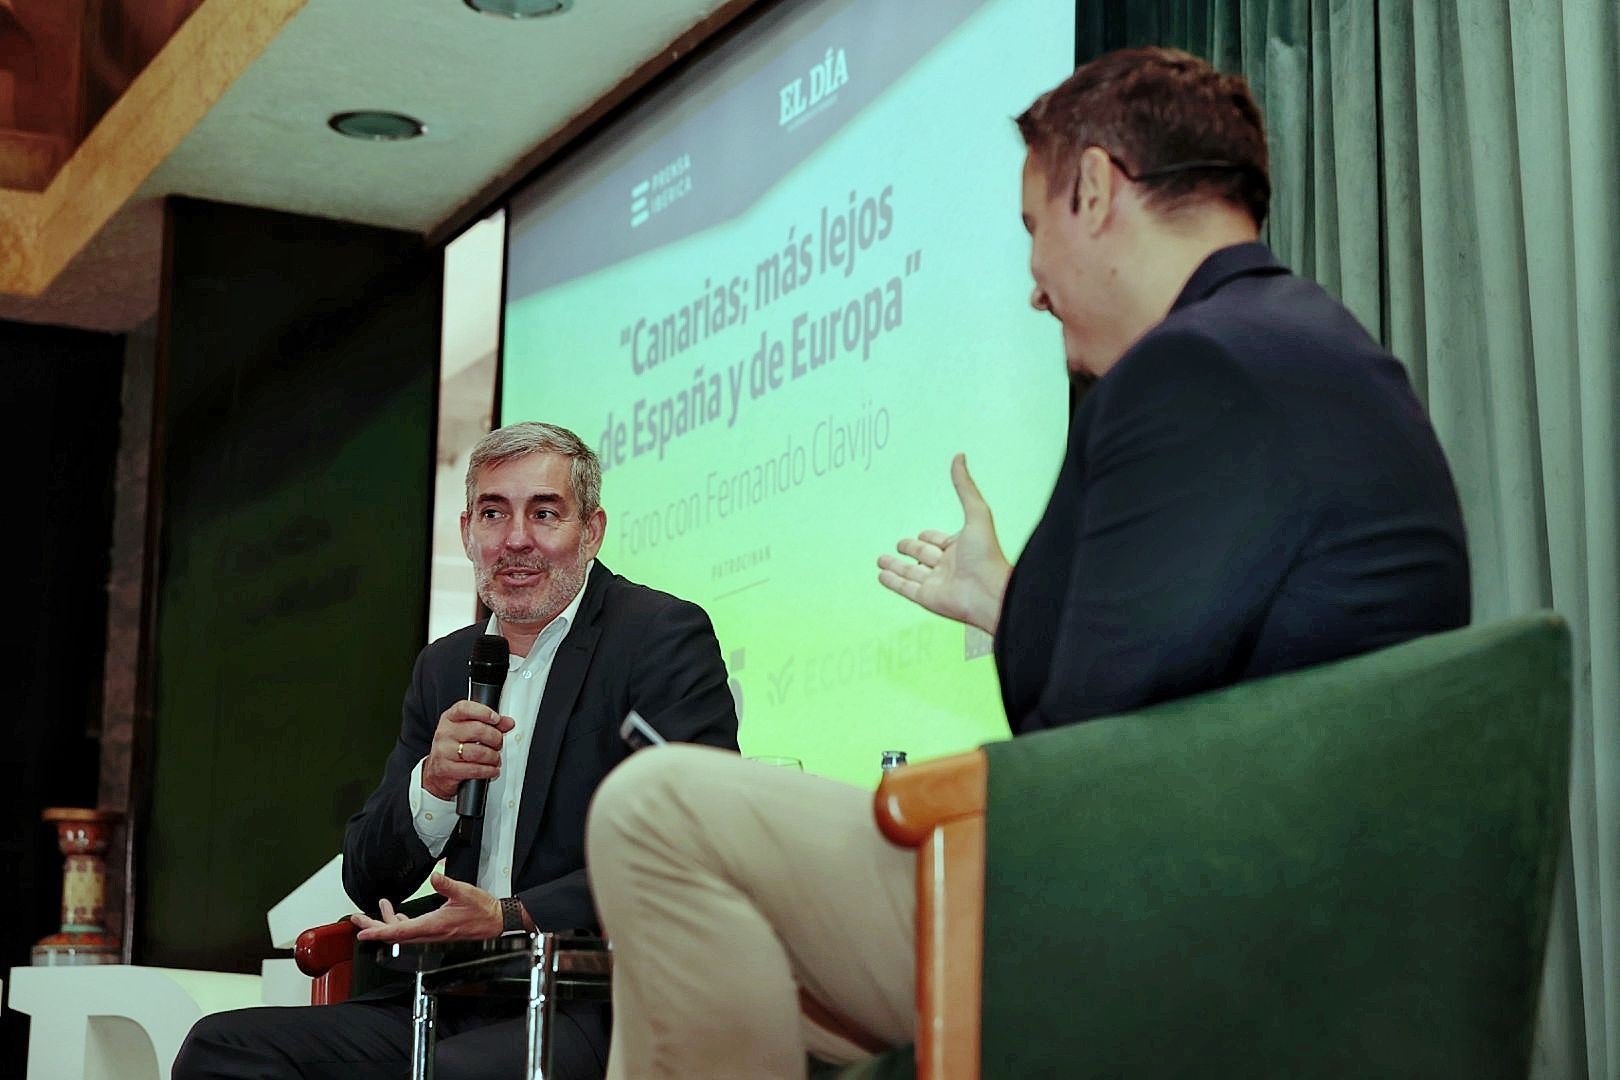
{"points": [[800, 101], [654, 194]]}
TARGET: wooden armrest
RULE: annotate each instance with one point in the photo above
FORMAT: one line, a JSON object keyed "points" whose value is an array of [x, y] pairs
{"points": [[320, 948], [937, 807], [914, 800], [326, 955]]}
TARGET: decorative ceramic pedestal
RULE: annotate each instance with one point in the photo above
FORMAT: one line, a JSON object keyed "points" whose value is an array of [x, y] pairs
{"points": [[82, 836]]}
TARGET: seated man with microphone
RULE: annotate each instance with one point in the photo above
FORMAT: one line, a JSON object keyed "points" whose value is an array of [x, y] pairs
{"points": [[499, 793]]}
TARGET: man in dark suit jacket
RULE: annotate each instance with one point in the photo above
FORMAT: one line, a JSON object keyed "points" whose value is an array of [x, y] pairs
{"points": [[1249, 487], [587, 646], [630, 647]]}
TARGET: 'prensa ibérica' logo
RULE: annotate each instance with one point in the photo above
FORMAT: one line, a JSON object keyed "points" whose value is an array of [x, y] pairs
{"points": [[655, 194]]}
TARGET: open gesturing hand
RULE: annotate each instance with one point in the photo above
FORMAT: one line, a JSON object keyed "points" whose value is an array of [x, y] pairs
{"points": [[962, 576], [468, 914]]}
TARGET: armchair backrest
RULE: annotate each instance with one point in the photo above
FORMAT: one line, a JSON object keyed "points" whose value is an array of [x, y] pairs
{"points": [[1340, 871]]}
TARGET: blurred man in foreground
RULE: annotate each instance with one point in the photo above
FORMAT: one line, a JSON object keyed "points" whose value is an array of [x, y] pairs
{"points": [[586, 646], [1250, 487]]}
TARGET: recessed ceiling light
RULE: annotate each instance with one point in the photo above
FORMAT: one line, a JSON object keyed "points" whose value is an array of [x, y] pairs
{"points": [[376, 125], [520, 9]]}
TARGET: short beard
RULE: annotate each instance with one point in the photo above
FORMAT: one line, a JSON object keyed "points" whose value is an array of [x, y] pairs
{"points": [[562, 582]]}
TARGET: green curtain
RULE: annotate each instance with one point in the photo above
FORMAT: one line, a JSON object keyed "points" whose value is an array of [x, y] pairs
{"points": [[1451, 170]]}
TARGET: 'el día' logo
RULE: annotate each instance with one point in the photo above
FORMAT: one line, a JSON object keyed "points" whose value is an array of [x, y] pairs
{"points": [[813, 92]]}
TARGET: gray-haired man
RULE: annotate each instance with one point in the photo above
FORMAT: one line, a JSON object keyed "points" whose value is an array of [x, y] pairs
{"points": [[587, 646]]}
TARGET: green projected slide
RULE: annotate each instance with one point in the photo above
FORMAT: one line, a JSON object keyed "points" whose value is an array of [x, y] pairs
{"points": [[776, 307]]}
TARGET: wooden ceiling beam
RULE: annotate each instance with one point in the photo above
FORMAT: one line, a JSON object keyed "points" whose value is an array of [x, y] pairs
{"points": [[41, 232]]}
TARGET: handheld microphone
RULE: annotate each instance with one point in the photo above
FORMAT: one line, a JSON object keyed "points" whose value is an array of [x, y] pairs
{"points": [[486, 674]]}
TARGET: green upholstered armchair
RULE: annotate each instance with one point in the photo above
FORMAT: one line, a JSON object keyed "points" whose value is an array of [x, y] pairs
{"points": [[1342, 871]]}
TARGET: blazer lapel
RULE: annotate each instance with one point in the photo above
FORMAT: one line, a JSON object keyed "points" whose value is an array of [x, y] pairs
{"points": [[563, 685]]}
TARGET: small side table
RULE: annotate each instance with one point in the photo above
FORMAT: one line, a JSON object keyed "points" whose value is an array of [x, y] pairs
{"points": [[542, 968]]}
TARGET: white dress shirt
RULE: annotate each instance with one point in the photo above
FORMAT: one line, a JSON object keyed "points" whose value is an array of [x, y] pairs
{"points": [[435, 818]]}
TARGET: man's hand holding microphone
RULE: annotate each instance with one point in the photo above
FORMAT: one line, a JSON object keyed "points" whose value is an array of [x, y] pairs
{"points": [[464, 757]]}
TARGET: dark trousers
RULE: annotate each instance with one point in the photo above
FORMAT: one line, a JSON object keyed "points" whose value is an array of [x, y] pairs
{"points": [[476, 1039]]}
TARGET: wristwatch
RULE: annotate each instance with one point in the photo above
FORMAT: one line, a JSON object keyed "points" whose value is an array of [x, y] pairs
{"points": [[511, 915]]}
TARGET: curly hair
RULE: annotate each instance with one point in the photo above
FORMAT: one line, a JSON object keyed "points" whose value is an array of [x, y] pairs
{"points": [[1169, 120]]}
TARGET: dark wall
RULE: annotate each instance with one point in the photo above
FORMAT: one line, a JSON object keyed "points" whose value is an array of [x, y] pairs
{"points": [[295, 413], [59, 389]]}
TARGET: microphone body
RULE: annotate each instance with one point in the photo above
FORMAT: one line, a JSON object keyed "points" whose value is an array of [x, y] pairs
{"points": [[486, 674]]}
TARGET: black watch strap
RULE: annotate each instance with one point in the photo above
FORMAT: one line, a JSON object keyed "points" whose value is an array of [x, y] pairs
{"points": [[511, 914]]}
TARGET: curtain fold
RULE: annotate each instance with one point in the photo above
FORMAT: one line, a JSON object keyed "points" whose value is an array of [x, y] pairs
{"points": [[1451, 170]]}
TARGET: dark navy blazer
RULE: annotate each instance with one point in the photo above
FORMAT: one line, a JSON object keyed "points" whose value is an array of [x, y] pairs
{"points": [[629, 647], [1252, 488]]}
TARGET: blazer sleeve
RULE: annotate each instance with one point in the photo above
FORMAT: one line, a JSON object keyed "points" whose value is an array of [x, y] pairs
{"points": [[1191, 513], [563, 903], [382, 855], [678, 681]]}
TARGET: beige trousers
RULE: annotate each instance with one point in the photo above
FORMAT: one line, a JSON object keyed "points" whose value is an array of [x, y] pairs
{"points": [[726, 886]]}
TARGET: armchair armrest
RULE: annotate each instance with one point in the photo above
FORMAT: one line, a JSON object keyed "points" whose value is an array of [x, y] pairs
{"points": [[326, 954], [937, 807]]}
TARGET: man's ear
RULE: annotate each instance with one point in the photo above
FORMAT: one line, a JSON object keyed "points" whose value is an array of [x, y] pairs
{"points": [[1096, 186], [466, 533], [595, 529]]}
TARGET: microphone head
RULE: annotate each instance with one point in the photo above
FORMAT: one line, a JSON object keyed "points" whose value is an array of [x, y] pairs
{"points": [[491, 659]]}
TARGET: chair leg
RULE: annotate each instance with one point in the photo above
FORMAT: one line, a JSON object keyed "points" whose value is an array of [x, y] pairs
{"points": [[424, 1009], [542, 1006]]}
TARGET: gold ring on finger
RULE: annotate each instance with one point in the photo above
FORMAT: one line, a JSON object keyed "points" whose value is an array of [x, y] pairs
{"points": [[458, 751]]}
